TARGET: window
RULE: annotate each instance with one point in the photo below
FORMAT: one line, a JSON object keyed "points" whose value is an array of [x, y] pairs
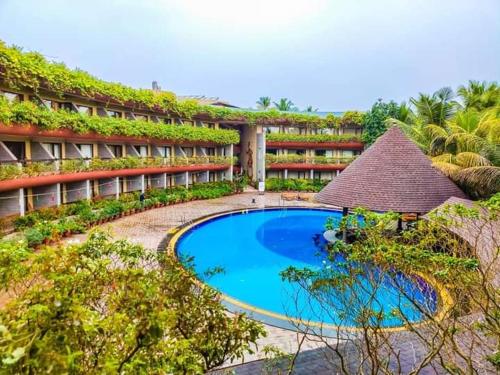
{"points": [[12, 96], [87, 151], [54, 149], [300, 152], [271, 151], [142, 150], [320, 152], [117, 150], [67, 106], [141, 117], [115, 114], [17, 149], [167, 121], [210, 151], [347, 153], [188, 151], [210, 125], [187, 122], [84, 110], [164, 151]]}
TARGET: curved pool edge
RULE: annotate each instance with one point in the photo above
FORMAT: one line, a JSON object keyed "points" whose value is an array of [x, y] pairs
{"points": [[445, 300]]}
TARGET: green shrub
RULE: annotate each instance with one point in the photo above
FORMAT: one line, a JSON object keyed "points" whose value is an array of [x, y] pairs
{"points": [[290, 184]]}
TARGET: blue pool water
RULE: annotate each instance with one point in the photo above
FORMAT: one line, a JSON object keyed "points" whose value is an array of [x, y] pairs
{"points": [[253, 248]]}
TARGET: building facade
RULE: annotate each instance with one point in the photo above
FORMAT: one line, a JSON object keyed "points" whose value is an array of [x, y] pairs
{"points": [[43, 165]]}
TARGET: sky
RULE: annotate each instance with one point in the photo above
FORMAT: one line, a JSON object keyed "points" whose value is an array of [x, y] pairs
{"points": [[335, 55]]}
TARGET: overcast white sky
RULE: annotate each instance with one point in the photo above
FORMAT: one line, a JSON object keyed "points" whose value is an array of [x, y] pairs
{"points": [[334, 55]]}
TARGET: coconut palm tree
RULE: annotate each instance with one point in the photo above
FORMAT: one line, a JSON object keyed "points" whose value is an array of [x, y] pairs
{"points": [[310, 108], [284, 104], [435, 108], [264, 102], [479, 95], [466, 147]]}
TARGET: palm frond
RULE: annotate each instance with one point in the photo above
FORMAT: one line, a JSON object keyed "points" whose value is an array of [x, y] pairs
{"points": [[471, 159], [479, 182], [448, 169]]}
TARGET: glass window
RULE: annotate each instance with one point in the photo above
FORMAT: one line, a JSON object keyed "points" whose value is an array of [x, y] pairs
{"points": [[117, 150], [142, 150], [87, 151], [54, 149], [167, 121], [188, 151], [164, 151], [320, 153], [210, 125], [271, 151], [115, 114], [141, 117], [12, 96], [84, 110], [210, 151]]}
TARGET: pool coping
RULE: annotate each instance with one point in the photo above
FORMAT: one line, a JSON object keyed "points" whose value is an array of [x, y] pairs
{"points": [[169, 244]]}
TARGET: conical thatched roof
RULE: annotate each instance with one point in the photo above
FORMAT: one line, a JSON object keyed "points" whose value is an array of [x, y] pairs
{"points": [[391, 175]]}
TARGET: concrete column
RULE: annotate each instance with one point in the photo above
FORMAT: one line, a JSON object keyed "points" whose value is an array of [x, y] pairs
{"points": [[143, 187], [311, 174], [22, 208], [337, 172], [231, 167], [285, 174], [88, 191], [164, 180], [117, 187], [58, 194], [186, 178]]}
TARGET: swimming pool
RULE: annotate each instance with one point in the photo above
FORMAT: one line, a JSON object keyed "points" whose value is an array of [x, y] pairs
{"points": [[254, 247]]}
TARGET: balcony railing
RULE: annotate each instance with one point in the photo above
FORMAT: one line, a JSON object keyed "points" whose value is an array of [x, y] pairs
{"points": [[32, 168], [302, 159]]}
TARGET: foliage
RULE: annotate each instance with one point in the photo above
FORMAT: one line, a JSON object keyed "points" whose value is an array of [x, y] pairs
{"points": [[461, 337], [313, 138], [50, 224], [374, 121], [30, 70], [292, 184], [264, 102], [435, 108], [10, 171], [479, 95], [285, 104], [293, 158], [113, 307], [28, 113]]}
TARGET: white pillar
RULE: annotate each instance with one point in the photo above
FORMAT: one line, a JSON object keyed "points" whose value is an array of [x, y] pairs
{"points": [[311, 174], [186, 177], [58, 194], [143, 188], [231, 167], [117, 187], [87, 190], [285, 174], [22, 206], [337, 172], [164, 180]]}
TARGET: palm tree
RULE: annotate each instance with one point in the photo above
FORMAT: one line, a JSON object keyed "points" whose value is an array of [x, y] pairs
{"points": [[311, 109], [435, 108], [264, 102], [465, 148], [480, 95], [284, 104]]}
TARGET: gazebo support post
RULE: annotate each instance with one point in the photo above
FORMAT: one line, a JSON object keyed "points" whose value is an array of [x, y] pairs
{"points": [[345, 212], [400, 223]]}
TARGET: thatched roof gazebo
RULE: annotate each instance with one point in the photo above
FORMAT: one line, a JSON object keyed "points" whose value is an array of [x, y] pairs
{"points": [[391, 175]]}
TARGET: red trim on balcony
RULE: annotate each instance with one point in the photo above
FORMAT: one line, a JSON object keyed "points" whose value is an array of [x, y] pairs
{"points": [[29, 182], [306, 166], [316, 145], [32, 131]]}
